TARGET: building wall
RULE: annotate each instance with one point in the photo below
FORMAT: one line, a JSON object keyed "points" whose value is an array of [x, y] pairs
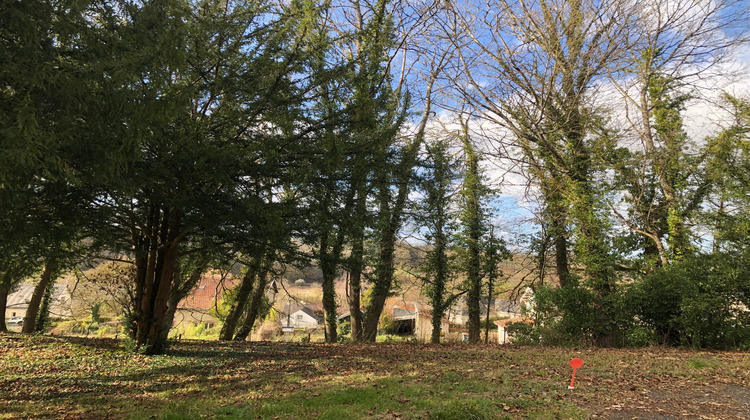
{"points": [[300, 319]]}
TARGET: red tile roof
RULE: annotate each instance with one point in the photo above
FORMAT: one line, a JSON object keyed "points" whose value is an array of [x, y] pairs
{"points": [[504, 322], [210, 287]]}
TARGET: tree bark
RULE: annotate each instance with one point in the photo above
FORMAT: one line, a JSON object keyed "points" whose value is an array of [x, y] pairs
{"points": [[29, 322], [356, 259], [3, 307], [256, 302], [329, 300], [473, 224], [160, 280], [240, 302]]}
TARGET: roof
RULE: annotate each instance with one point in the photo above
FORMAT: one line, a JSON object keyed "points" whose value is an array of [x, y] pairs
{"points": [[523, 319], [310, 313], [347, 315], [60, 298], [22, 295], [208, 290], [508, 306], [428, 315]]}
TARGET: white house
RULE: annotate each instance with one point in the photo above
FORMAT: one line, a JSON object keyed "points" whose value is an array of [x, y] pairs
{"points": [[502, 328], [18, 301], [300, 316]]}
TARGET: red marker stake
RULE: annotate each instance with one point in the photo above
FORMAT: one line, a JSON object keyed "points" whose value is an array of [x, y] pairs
{"points": [[575, 364]]}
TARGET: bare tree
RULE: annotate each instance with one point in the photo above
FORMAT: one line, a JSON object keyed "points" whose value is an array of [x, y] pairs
{"points": [[532, 67], [677, 52]]}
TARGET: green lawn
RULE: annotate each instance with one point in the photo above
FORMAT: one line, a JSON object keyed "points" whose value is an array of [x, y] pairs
{"points": [[50, 377]]}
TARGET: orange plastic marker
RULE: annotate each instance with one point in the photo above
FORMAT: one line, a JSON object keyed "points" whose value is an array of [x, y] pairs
{"points": [[575, 364]]}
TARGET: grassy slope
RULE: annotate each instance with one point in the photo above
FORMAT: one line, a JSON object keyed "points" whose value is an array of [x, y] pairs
{"points": [[46, 377]]}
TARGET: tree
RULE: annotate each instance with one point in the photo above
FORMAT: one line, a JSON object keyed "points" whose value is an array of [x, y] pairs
{"points": [[472, 221], [50, 131], [728, 170], [672, 48], [217, 104], [531, 71], [495, 252], [438, 215], [354, 152]]}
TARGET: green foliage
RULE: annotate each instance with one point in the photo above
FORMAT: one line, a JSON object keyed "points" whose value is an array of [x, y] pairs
{"points": [[387, 324], [343, 331], [96, 312], [524, 334], [43, 320], [696, 302], [566, 315], [639, 336], [728, 170], [573, 315]]}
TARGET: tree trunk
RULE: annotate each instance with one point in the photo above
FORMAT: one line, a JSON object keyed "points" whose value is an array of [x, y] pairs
{"points": [[180, 289], [29, 322], [381, 287], [490, 280], [439, 282], [329, 301], [256, 302], [356, 264], [354, 297], [240, 302], [42, 319], [159, 281], [3, 307], [473, 224]]}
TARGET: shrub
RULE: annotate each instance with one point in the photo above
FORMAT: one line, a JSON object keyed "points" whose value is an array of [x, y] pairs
{"points": [[388, 325], [696, 302], [564, 316], [343, 331]]}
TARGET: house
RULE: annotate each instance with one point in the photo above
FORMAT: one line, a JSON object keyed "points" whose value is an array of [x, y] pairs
{"points": [[406, 318], [196, 307], [507, 308], [347, 317], [424, 326], [500, 308], [18, 301], [502, 332], [300, 316]]}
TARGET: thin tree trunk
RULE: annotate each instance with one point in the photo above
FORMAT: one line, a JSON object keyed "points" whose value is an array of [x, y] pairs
{"points": [[178, 292], [356, 259], [473, 225], [29, 322], [490, 280], [3, 307], [256, 302], [240, 302], [438, 287], [329, 301], [42, 319], [561, 251]]}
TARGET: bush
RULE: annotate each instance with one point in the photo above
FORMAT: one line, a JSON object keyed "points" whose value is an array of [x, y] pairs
{"points": [[565, 317], [696, 302], [343, 331], [639, 336], [388, 325]]}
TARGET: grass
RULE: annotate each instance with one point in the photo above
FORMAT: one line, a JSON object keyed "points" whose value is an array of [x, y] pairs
{"points": [[51, 377]]}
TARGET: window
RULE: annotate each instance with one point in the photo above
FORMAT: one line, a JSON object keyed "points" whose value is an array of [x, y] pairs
{"points": [[299, 317], [14, 314]]}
